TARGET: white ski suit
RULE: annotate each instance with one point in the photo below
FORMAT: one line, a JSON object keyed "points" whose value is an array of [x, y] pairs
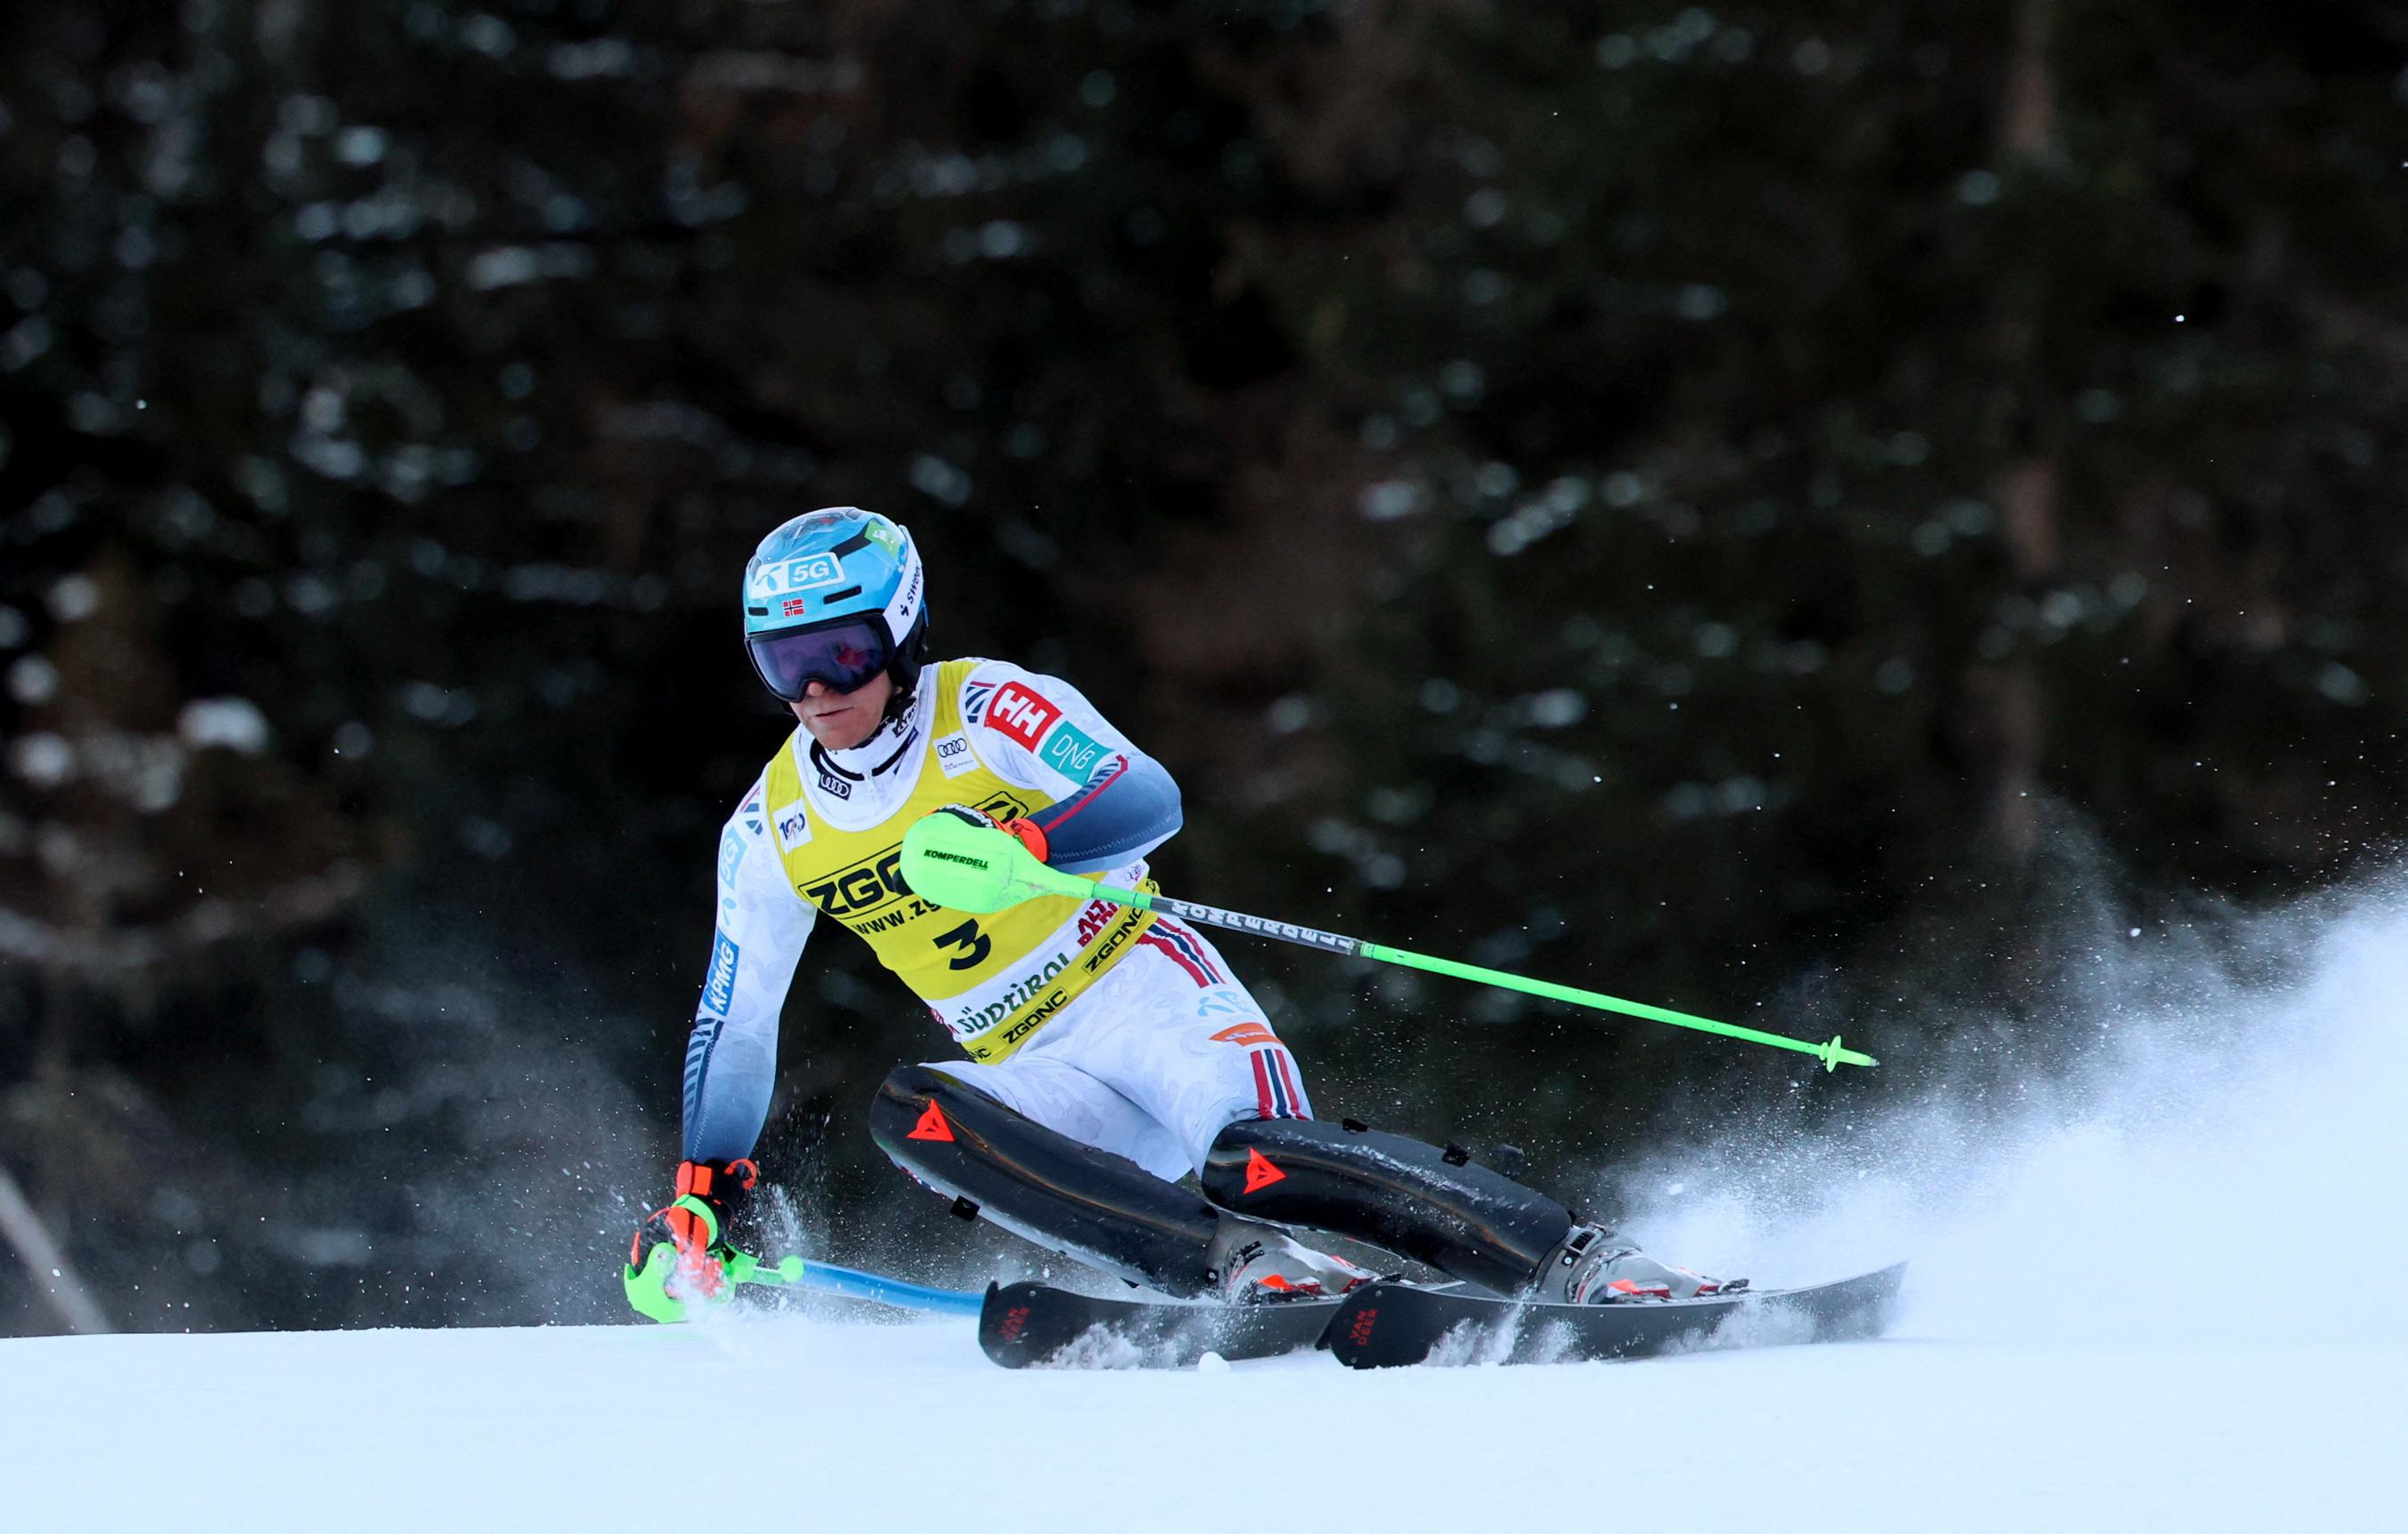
{"points": [[1158, 1052]]}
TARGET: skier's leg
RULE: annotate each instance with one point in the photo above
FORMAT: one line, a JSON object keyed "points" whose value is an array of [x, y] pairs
{"points": [[1187, 1043], [1049, 1087], [1173, 1032], [1179, 1036], [1434, 1206], [1233, 1095], [1463, 1220], [1040, 1183], [1063, 1155]]}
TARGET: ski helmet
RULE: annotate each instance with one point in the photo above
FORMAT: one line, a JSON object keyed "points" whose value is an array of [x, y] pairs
{"points": [[835, 596]]}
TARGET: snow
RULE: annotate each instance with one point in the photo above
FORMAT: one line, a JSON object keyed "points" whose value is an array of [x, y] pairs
{"points": [[828, 1426], [2159, 1297]]}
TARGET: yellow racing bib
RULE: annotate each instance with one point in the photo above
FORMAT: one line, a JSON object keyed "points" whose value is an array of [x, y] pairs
{"points": [[992, 979]]}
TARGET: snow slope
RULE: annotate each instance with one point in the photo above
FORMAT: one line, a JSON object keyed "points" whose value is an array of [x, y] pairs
{"points": [[826, 1426], [2157, 1299]]}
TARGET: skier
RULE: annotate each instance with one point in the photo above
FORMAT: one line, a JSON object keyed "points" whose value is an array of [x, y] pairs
{"points": [[1110, 1052]]}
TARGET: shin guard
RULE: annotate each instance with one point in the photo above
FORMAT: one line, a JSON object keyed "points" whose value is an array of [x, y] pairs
{"points": [[1397, 1194], [1042, 1185]]}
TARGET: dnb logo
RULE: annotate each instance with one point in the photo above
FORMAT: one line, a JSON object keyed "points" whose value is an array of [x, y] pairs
{"points": [[719, 991], [1020, 714], [791, 577], [1070, 752]]}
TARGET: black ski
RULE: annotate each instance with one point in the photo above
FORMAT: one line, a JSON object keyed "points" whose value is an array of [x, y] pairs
{"points": [[1025, 1324], [1387, 1324]]}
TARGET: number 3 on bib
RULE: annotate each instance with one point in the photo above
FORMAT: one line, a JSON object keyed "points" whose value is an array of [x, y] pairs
{"points": [[968, 937]]}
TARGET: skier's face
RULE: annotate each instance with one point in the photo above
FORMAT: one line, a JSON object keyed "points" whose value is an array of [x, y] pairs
{"points": [[841, 721]]}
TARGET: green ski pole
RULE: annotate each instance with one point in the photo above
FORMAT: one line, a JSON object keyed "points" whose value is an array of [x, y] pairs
{"points": [[953, 863]]}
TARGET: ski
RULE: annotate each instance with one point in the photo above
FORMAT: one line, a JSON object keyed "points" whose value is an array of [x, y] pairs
{"points": [[1025, 1324], [1389, 1324]]}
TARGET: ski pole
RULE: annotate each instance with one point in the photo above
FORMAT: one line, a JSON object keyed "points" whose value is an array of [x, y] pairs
{"points": [[827, 1278], [950, 862], [648, 1287]]}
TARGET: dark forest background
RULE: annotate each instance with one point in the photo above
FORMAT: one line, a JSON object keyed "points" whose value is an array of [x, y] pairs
{"points": [[1821, 514]]}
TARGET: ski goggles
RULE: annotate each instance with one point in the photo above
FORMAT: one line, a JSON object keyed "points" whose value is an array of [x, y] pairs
{"points": [[845, 653]]}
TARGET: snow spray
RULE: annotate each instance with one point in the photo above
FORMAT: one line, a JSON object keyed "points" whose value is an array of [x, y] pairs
{"points": [[2218, 1168]]}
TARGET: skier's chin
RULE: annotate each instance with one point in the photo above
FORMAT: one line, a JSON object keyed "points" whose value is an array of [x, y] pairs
{"points": [[841, 729]]}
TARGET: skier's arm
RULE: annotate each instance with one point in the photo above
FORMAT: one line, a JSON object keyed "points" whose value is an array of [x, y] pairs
{"points": [[1113, 803], [1128, 807], [731, 1059]]}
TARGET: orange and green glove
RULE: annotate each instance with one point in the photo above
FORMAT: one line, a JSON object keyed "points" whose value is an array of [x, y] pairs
{"points": [[683, 1257], [1020, 828]]}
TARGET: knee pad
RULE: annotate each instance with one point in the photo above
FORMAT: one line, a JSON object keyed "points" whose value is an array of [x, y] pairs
{"points": [[1466, 1221], [1041, 1184]]}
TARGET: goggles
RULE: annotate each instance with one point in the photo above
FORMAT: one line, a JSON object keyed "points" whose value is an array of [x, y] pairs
{"points": [[845, 653]]}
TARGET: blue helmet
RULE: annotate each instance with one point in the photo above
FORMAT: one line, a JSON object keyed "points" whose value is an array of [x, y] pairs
{"points": [[836, 596]]}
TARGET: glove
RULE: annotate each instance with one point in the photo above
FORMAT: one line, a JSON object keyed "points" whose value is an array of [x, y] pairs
{"points": [[1020, 828], [682, 1251]]}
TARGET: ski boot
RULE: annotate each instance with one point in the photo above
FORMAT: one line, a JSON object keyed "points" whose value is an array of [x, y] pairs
{"points": [[1252, 1264], [1595, 1265]]}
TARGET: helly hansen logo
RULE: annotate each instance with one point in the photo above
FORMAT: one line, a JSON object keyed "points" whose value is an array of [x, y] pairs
{"points": [[1020, 714]]}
